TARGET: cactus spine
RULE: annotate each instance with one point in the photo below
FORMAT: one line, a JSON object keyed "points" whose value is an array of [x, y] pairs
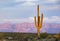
{"points": [[38, 22]]}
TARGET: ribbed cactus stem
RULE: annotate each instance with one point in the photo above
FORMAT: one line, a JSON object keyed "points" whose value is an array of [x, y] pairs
{"points": [[38, 10]]}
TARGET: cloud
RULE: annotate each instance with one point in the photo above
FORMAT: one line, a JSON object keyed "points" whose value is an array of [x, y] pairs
{"points": [[22, 20], [5, 1], [25, 0], [53, 19], [17, 11], [50, 7], [51, 1], [11, 3], [28, 2]]}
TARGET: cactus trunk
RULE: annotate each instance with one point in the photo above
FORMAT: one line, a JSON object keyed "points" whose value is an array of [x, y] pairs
{"points": [[38, 32]]}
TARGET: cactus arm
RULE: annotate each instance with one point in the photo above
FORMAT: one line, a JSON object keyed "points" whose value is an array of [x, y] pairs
{"points": [[35, 21], [41, 20]]}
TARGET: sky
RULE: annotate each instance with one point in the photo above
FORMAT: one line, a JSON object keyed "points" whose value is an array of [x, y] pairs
{"points": [[18, 11]]}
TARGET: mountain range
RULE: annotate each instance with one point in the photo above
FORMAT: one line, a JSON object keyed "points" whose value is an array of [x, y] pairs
{"points": [[29, 27]]}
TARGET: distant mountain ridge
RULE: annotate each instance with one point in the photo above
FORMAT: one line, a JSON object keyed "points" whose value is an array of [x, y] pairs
{"points": [[29, 27]]}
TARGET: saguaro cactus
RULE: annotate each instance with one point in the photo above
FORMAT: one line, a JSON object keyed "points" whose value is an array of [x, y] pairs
{"points": [[38, 21]]}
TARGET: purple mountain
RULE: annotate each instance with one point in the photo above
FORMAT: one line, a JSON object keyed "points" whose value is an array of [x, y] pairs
{"points": [[29, 27]]}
